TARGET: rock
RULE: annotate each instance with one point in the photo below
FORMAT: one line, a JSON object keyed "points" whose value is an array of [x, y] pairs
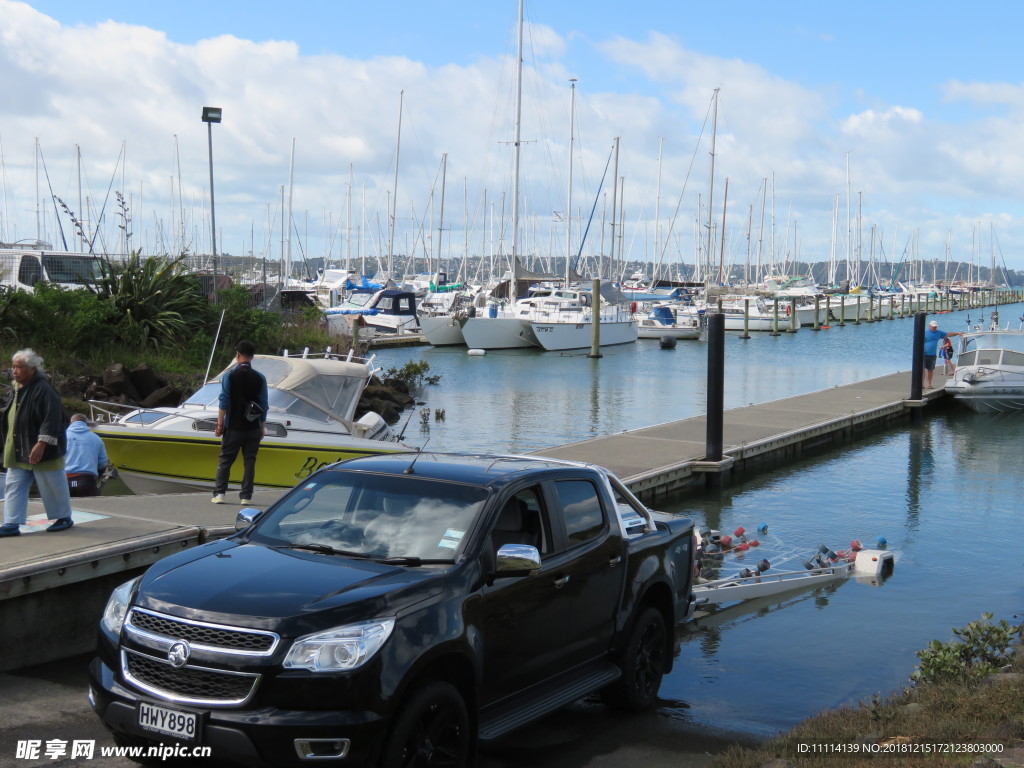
{"points": [[162, 396], [117, 380], [145, 380]]}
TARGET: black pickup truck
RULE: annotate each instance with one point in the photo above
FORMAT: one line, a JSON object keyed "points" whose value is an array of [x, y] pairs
{"points": [[396, 610]]}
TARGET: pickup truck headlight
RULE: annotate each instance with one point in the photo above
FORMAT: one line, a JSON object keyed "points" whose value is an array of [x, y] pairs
{"points": [[341, 648], [117, 607]]}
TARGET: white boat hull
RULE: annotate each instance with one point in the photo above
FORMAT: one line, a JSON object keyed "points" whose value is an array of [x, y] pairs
{"points": [[442, 330], [498, 333], [989, 397], [562, 336], [655, 330]]}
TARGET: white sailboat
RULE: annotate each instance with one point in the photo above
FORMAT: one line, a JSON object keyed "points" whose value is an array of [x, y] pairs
{"points": [[501, 327]]}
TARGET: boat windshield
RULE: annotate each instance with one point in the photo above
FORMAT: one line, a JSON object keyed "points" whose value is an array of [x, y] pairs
{"points": [[1007, 340], [374, 516]]}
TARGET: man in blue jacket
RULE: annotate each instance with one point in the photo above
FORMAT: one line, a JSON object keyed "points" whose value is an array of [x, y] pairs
{"points": [[32, 433], [240, 422], [86, 458], [932, 337]]}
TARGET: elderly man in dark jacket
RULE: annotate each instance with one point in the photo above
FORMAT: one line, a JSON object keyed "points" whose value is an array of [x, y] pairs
{"points": [[32, 433]]}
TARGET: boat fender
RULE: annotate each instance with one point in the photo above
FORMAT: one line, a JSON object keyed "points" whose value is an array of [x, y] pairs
{"points": [[763, 566], [882, 542], [632, 307], [856, 546], [754, 543], [743, 547], [762, 528], [726, 541], [788, 310], [739, 532]]}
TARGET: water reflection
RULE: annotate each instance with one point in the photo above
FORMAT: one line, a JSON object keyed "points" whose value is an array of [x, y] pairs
{"points": [[922, 487]]}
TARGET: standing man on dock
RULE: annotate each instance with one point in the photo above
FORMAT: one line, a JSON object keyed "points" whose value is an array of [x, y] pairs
{"points": [[240, 420], [32, 433], [932, 337]]}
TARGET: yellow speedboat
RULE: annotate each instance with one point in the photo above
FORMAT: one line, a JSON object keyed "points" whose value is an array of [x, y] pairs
{"points": [[310, 423]]}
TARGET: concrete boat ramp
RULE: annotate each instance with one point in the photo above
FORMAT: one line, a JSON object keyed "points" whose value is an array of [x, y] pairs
{"points": [[53, 586]]}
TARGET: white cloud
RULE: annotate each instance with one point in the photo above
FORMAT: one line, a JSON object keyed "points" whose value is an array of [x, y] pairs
{"points": [[113, 84]]}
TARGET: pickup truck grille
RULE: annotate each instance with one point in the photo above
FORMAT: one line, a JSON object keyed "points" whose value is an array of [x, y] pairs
{"points": [[212, 636], [188, 684]]}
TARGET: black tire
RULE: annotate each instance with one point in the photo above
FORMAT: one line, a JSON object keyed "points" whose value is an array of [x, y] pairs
{"points": [[643, 661], [431, 730]]}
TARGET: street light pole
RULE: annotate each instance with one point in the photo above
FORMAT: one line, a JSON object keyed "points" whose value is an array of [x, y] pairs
{"points": [[212, 115]]}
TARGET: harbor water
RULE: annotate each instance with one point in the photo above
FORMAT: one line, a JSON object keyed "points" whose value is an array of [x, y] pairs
{"points": [[943, 494]]}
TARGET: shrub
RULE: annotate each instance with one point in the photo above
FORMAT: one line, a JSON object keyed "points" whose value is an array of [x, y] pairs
{"points": [[983, 648], [413, 374]]}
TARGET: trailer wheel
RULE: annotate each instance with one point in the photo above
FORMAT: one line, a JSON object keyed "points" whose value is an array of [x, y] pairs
{"points": [[643, 664], [431, 729]]}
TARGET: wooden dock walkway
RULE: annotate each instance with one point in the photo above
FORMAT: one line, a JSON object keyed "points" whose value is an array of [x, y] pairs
{"points": [[53, 587], [668, 457]]}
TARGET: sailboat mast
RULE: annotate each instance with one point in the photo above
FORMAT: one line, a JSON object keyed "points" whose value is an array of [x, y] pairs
{"points": [[518, 134], [657, 218], [568, 201], [615, 215], [711, 179], [440, 218], [288, 223], [394, 196]]}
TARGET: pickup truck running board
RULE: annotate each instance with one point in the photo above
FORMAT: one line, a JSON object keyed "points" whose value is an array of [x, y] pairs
{"points": [[544, 699]]}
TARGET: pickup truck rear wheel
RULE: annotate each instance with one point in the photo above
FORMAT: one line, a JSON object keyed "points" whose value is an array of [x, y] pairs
{"points": [[643, 664], [431, 730]]}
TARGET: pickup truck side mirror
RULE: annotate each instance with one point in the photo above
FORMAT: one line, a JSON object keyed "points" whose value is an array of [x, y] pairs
{"points": [[247, 517], [517, 560]]}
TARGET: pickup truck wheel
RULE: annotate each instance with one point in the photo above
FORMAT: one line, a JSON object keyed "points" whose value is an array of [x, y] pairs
{"points": [[643, 664], [431, 730]]}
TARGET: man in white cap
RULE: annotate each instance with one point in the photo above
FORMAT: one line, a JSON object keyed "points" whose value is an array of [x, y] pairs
{"points": [[932, 337]]}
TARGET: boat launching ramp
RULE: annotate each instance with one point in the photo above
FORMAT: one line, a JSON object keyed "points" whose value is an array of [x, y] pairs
{"points": [[53, 586]]}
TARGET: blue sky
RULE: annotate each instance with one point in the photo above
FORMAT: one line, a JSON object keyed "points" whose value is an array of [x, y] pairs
{"points": [[922, 98]]}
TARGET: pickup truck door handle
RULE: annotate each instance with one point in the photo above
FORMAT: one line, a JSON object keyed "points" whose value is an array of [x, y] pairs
{"points": [[614, 561], [559, 583]]}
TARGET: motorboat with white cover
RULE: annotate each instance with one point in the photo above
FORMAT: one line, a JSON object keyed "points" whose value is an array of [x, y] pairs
{"points": [[989, 376], [669, 319], [312, 402]]}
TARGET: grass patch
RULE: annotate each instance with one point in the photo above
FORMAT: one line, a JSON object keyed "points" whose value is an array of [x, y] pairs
{"points": [[966, 712]]}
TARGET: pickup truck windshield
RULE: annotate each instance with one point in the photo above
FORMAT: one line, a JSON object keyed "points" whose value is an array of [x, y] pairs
{"points": [[374, 516]]}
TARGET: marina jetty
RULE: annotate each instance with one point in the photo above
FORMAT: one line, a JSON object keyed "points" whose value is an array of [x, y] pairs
{"points": [[53, 587]]}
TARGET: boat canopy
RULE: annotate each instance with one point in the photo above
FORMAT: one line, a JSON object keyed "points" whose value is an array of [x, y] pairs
{"points": [[663, 315], [995, 340], [323, 389]]}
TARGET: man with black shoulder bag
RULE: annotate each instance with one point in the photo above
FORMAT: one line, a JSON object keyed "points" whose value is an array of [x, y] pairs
{"points": [[241, 418]]}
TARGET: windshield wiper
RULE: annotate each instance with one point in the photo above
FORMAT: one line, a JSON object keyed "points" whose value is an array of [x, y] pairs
{"points": [[322, 548], [412, 562]]}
